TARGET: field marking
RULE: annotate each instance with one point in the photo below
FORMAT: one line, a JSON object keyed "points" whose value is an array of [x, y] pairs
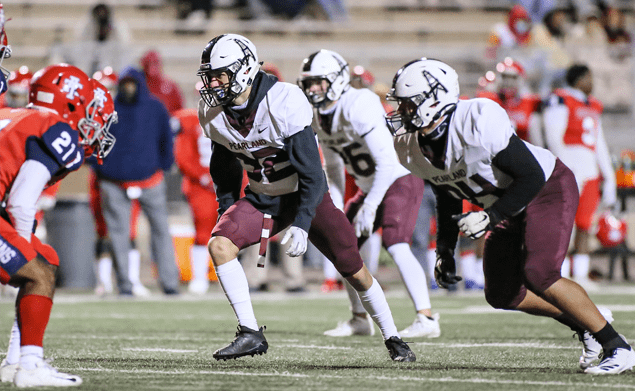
{"points": [[315, 347], [161, 350], [381, 378]]}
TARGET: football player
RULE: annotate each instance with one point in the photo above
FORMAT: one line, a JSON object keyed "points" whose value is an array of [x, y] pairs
{"points": [[573, 129], [352, 132], [5, 52], [263, 126], [468, 150], [67, 119]]}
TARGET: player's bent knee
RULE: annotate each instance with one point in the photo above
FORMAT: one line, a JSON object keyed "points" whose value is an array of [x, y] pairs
{"points": [[538, 280], [221, 249], [498, 300]]}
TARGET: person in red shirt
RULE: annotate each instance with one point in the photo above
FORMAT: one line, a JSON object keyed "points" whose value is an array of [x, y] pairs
{"points": [[192, 152], [159, 84], [67, 119], [508, 88]]}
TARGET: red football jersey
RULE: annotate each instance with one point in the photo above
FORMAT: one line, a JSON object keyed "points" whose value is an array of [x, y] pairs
{"points": [[26, 134], [584, 120], [519, 110], [192, 150]]}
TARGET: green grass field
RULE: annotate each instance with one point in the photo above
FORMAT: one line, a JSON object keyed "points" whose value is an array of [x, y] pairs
{"points": [[167, 344]]}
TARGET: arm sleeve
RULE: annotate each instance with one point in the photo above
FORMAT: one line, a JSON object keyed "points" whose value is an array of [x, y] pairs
{"points": [[334, 168], [447, 228], [517, 161], [380, 144], [227, 175], [25, 191], [555, 118], [305, 158]]}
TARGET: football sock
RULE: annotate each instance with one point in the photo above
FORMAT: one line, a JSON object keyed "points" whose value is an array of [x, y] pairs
{"points": [[479, 276], [104, 272], [610, 339], [356, 304], [581, 264], [565, 270], [234, 282], [134, 266], [34, 312], [330, 272], [370, 250], [431, 257], [468, 265], [30, 355], [376, 305], [412, 275], [200, 262], [13, 352]]}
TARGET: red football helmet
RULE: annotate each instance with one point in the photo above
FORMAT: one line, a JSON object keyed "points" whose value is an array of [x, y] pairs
{"points": [[5, 49], [63, 89], [18, 89], [108, 78], [94, 128], [611, 230], [511, 78]]}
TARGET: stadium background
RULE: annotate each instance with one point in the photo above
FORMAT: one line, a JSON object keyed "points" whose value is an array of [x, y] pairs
{"points": [[380, 35]]}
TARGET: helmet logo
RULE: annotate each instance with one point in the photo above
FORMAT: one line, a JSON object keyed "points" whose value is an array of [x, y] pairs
{"points": [[100, 97], [434, 84], [71, 85]]}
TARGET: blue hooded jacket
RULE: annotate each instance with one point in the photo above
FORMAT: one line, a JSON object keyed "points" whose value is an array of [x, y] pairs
{"points": [[144, 137]]}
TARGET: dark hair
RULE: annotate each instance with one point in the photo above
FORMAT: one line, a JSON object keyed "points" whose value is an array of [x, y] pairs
{"points": [[575, 73]]}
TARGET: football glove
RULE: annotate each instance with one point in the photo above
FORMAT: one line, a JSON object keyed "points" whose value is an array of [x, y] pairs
{"points": [[445, 269], [298, 238], [473, 224], [364, 220]]}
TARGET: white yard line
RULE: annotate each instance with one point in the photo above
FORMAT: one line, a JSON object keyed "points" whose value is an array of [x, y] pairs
{"points": [[380, 378], [161, 350]]}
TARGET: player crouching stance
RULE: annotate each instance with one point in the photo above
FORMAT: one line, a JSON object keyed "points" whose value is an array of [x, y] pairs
{"points": [[264, 127], [67, 119], [468, 151]]}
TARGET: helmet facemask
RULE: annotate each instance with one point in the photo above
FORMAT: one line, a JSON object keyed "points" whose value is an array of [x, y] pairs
{"points": [[317, 98], [324, 66], [225, 93], [94, 128], [422, 97]]}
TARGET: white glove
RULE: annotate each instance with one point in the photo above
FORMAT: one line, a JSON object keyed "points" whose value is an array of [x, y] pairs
{"points": [[473, 224], [364, 220], [298, 238], [609, 194]]}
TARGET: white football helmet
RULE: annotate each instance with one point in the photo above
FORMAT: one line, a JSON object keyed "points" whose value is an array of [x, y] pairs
{"points": [[425, 90], [234, 55], [324, 65]]}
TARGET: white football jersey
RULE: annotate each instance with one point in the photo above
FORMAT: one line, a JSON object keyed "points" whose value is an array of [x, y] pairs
{"points": [[259, 142], [479, 129], [357, 113]]}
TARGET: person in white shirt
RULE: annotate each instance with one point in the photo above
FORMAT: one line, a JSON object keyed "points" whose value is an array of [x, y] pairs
{"points": [[352, 132], [468, 151], [263, 126], [573, 129]]}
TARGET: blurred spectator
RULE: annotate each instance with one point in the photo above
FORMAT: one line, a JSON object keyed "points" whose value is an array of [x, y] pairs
{"points": [[361, 77], [573, 130], [506, 37], [537, 9], [550, 58], [164, 88], [135, 171], [615, 26], [100, 40]]}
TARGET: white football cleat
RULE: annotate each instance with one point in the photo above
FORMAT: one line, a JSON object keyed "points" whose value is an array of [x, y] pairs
{"points": [[44, 375], [423, 327], [355, 326], [198, 287], [140, 291], [591, 348], [619, 360], [7, 371]]}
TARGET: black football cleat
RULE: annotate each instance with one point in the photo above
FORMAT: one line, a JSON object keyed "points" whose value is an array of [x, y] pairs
{"points": [[248, 342], [399, 350]]}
